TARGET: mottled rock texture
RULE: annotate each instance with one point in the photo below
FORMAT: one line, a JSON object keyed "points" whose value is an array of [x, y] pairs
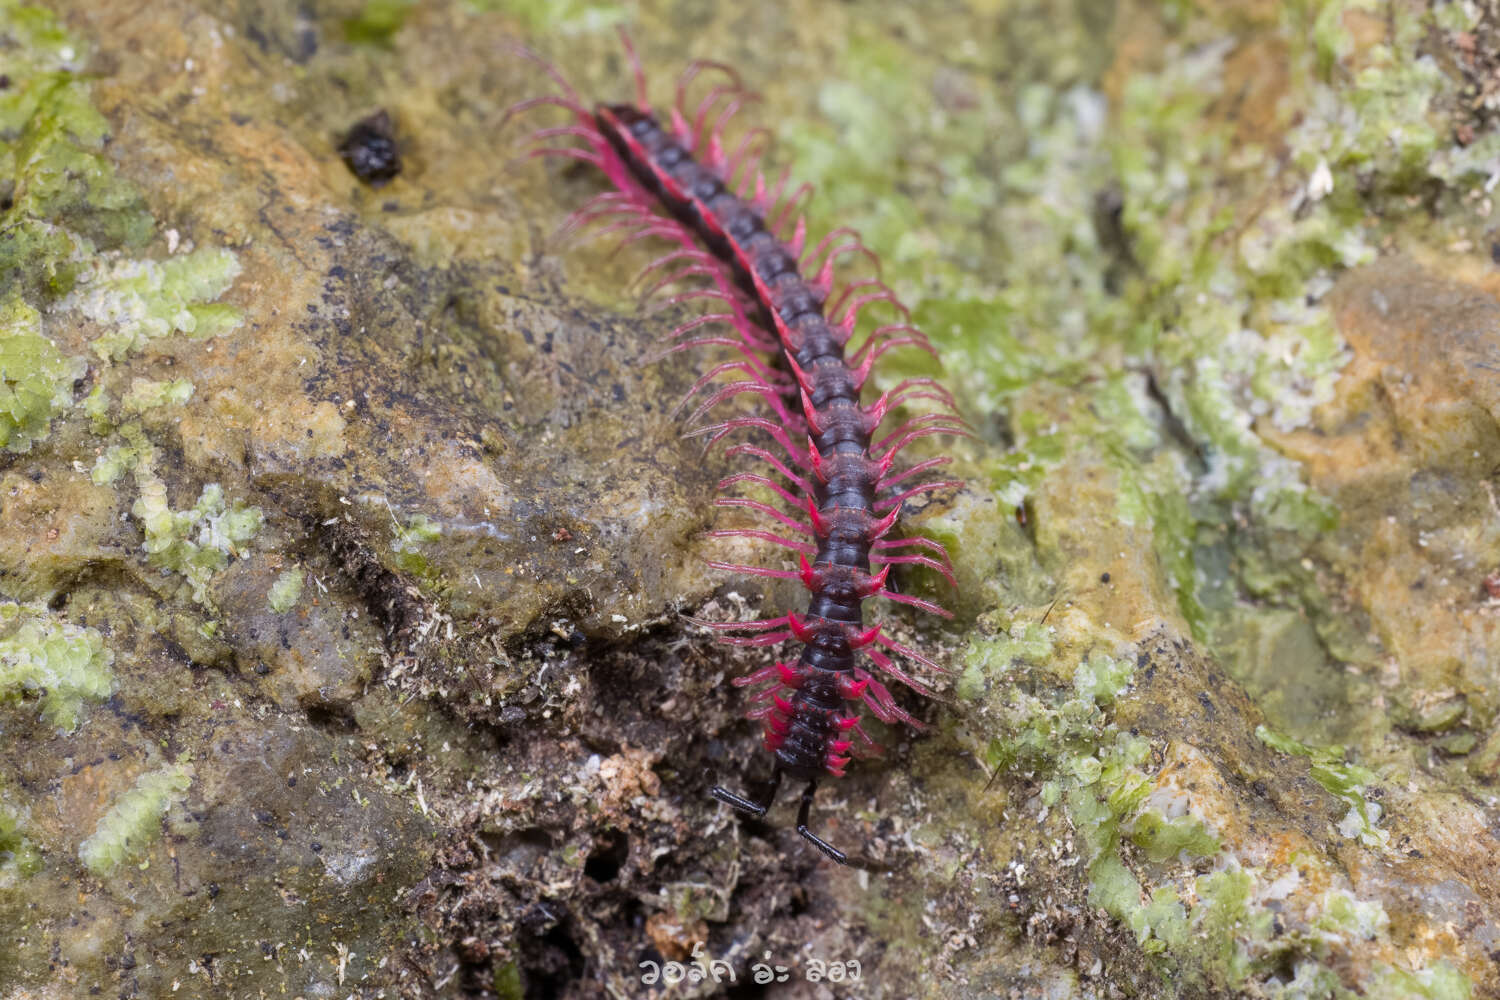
{"points": [[346, 531]]}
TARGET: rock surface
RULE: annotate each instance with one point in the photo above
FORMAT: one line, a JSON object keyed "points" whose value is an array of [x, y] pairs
{"points": [[345, 530]]}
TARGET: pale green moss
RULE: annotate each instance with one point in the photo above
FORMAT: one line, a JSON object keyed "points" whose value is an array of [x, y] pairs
{"points": [[378, 21], [559, 17], [19, 857], [96, 408], [133, 823], [1209, 932], [1440, 982], [141, 300], [285, 591], [65, 197], [1164, 839], [419, 528], [196, 542], [147, 394], [117, 460], [36, 379], [1222, 918], [1340, 779], [407, 543], [61, 664], [990, 658]]}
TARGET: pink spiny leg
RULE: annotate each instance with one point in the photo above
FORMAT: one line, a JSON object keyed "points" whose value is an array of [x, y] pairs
{"points": [[752, 147], [907, 389], [775, 574], [716, 433], [760, 676], [683, 260], [729, 391], [805, 263], [799, 237], [918, 427], [766, 509], [737, 97], [803, 548], [695, 295], [592, 136], [636, 70], [765, 374], [889, 668], [882, 339], [877, 411], [689, 74], [918, 560], [766, 392], [732, 319], [771, 460], [916, 602], [765, 639], [886, 481], [889, 544], [789, 209], [824, 280], [852, 303], [910, 654], [955, 423], [687, 127], [568, 152], [770, 484], [625, 214], [713, 270], [682, 254], [792, 205], [848, 290], [707, 377], [897, 499], [764, 198], [867, 362], [646, 225], [881, 703], [716, 133], [574, 106], [754, 625], [571, 95], [606, 199]]}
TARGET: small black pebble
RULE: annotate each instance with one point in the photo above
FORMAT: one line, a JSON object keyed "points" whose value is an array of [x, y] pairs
{"points": [[1103, 577], [316, 846], [370, 149], [4, 81]]}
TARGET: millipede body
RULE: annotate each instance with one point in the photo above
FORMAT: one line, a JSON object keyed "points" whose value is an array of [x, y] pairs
{"points": [[797, 345]]}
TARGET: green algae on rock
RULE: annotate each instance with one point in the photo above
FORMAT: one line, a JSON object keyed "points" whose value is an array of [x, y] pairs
{"points": [[139, 300], [36, 380], [62, 664], [63, 196], [285, 591], [133, 822], [396, 562]]}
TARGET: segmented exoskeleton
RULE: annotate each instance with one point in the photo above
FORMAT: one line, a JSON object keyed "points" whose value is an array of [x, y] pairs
{"points": [[740, 244]]}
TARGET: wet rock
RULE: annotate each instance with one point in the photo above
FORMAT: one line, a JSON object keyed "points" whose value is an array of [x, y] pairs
{"points": [[343, 531]]}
